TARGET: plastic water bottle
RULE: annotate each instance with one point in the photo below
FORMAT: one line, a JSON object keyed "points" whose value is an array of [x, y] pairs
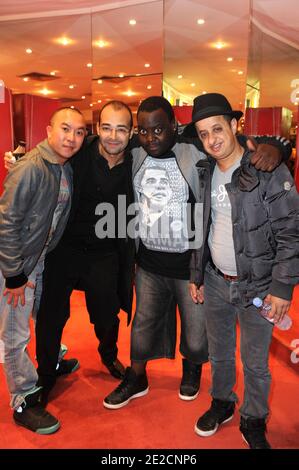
{"points": [[265, 308]]}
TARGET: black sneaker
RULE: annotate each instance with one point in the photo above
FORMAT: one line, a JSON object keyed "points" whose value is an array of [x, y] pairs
{"points": [[190, 383], [116, 369], [133, 386], [220, 412], [67, 366], [32, 415], [253, 432]]}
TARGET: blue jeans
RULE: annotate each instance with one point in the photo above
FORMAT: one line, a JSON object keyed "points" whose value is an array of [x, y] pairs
{"points": [[20, 371], [153, 334], [223, 308]]}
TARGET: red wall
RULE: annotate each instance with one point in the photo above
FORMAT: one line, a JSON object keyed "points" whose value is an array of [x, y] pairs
{"points": [[31, 117], [6, 131], [262, 121], [183, 114]]}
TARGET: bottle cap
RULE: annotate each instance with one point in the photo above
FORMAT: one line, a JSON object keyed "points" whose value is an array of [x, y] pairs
{"points": [[257, 302]]}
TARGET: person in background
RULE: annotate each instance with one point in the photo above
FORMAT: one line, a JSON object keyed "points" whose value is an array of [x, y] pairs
{"points": [[253, 240], [34, 209]]}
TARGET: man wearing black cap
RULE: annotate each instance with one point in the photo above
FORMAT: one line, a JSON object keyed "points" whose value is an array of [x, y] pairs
{"points": [[253, 246]]}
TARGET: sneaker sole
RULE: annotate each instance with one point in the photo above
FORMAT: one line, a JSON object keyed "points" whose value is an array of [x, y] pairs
{"points": [[43, 431], [210, 433], [188, 398], [124, 403]]}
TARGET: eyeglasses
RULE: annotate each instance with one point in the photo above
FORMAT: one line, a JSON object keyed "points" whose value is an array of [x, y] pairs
{"points": [[120, 131]]}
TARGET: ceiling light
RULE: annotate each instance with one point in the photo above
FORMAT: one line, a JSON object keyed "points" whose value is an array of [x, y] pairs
{"points": [[204, 93], [72, 106], [89, 64], [45, 91], [26, 79], [91, 105], [83, 97], [64, 41], [129, 93], [192, 84], [29, 51], [132, 22], [121, 75], [229, 59], [219, 45], [100, 82], [149, 87], [101, 43], [147, 65], [53, 73], [71, 86], [200, 21], [240, 72], [180, 76], [99, 101]]}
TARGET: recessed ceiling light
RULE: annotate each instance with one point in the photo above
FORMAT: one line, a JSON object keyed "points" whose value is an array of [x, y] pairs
{"points": [[45, 91], [132, 22], [121, 75], [71, 86], [180, 76], [129, 93], [99, 101], [53, 73], [204, 93], [240, 72], [149, 87], [219, 45], [192, 84], [72, 106], [83, 97], [229, 59], [200, 21], [101, 43], [64, 41], [100, 82], [29, 51], [91, 105], [26, 79], [89, 64], [147, 65]]}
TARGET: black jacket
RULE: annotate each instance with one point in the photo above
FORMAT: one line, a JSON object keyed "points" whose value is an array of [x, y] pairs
{"points": [[125, 246], [265, 219]]}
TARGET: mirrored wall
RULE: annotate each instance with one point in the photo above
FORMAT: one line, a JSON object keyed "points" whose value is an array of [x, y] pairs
{"points": [[133, 49]]}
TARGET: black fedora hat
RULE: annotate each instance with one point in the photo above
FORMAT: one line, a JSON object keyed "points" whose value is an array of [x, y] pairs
{"points": [[212, 104]]}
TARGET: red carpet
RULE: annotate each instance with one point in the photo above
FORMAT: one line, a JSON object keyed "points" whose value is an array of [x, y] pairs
{"points": [[158, 420]]}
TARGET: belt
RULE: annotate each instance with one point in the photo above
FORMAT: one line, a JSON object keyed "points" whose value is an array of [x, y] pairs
{"points": [[227, 277]]}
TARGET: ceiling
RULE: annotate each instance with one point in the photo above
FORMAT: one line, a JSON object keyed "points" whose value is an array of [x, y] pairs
{"points": [[262, 37]]}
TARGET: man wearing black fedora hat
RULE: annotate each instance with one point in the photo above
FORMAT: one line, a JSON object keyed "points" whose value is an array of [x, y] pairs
{"points": [[252, 241]]}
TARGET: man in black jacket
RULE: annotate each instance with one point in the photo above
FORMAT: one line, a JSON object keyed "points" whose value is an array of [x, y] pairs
{"points": [[102, 267], [253, 241]]}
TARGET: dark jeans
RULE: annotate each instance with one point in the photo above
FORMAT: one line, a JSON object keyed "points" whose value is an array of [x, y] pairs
{"points": [[97, 274], [223, 308], [153, 334]]}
